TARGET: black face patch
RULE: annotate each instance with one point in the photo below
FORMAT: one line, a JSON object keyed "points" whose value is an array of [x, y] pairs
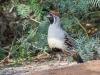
{"points": [[51, 18]]}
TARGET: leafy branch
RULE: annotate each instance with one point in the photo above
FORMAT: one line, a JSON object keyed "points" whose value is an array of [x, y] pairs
{"points": [[81, 25]]}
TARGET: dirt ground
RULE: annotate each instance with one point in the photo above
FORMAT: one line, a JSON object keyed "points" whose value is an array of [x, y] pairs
{"points": [[88, 68], [52, 68]]}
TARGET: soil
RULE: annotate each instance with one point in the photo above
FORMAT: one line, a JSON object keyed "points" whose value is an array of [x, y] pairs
{"points": [[89, 68], [52, 68]]}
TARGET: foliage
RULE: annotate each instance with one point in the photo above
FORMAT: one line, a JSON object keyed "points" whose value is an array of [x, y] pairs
{"points": [[95, 3], [34, 4], [75, 15], [88, 47], [23, 10]]}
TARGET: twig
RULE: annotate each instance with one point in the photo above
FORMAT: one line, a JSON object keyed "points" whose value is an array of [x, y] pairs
{"points": [[41, 1], [76, 1], [34, 20], [11, 9]]}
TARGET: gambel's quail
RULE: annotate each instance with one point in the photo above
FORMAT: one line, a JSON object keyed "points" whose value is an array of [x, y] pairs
{"points": [[59, 40]]}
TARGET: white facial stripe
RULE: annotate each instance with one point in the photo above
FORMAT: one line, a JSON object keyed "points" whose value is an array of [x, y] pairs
{"points": [[54, 17]]}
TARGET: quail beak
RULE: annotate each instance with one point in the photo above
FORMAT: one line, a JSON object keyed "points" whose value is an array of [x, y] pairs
{"points": [[48, 16]]}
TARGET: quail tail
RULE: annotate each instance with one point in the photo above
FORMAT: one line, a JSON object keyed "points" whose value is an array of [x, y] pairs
{"points": [[78, 58]]}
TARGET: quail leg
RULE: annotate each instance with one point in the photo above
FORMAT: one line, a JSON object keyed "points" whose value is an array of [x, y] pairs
{"points": [[59, 57], [68, 61]]}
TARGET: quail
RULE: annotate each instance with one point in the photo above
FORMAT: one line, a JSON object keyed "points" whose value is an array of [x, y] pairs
{"points": [[59, 40]]}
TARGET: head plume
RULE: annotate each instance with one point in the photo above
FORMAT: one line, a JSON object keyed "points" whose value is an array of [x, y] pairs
{"points": [[54, 12], [53, 17]]}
